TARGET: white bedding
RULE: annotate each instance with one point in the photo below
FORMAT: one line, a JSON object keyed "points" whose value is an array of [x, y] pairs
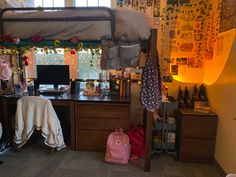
{"points": [[130, 25]]}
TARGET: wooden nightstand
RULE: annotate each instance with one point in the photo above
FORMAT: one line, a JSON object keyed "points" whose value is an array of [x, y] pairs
{"points": [[197, 135]]}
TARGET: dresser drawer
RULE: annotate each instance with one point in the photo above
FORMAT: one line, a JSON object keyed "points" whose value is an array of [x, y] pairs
{"points": [[104, 111], [197, 150], [198, 127], [91, 140], [102, 124]]}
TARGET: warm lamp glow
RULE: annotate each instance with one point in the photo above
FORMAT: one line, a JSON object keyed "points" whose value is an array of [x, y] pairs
{"points": [[221, 54]]}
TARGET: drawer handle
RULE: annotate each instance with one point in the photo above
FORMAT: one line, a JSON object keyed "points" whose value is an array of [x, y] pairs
{"points": [[234, 118]]}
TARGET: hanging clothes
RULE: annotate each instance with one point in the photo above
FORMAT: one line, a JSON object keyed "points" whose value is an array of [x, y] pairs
{"points": [[5, 70], [151, 85]]}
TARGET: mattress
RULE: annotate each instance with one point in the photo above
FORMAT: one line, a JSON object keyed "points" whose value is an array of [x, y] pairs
{"points": [[129, 25]]}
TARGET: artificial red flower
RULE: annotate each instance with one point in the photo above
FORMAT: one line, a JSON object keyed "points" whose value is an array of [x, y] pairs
{"points": [[7, 38], [37, 38], [25, 58], [16, 40], [74, 40], [26, 62], [72, 52]]}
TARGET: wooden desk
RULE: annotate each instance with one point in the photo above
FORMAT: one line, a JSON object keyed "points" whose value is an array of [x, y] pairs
{"points": [[78, 107], [67, 102], [82, 125]]}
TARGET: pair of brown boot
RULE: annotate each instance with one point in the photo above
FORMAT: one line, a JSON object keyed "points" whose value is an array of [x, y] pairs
{"points": [[184, 98]]}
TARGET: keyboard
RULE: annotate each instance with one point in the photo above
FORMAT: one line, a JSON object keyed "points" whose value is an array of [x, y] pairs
{"points": [[53, 91]]}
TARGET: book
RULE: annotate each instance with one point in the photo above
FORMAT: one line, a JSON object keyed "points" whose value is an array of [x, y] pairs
{"points": [[202, 110], [114, 87]]}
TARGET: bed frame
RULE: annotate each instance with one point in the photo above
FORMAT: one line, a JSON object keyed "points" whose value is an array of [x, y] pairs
{"points": [[111, 18]]}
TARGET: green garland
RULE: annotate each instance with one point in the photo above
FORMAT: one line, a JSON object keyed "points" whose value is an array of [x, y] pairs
{"points": [[21, 47], [24, 47]]}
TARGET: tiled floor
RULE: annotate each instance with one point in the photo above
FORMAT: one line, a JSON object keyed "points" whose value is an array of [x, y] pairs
{"points": [[35, 161]]}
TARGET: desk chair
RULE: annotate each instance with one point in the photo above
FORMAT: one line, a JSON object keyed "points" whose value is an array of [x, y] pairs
{"points": [[34, 112]]}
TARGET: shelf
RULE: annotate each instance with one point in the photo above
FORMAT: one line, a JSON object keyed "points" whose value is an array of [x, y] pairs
{"points": [[165, 129], [170, 127]]}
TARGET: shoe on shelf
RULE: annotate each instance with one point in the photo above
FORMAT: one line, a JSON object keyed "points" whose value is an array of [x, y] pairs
{"points": [[4, 147], [180, 98], [187, 100], [203, 93]]}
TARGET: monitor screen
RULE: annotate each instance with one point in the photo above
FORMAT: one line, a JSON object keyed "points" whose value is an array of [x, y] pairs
{"points": [[53, 74]]}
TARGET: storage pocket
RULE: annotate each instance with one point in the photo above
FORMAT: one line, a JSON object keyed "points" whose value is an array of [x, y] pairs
{"points": [[129, 55], [109, 57], [119, 56]]}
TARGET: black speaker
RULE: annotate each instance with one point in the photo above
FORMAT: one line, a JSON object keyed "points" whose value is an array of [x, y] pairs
{"points": [[36, 87], [74, 87], [4, 84]]}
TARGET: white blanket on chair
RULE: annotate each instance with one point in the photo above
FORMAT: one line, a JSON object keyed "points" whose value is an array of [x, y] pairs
{"points": [[37, 112]]}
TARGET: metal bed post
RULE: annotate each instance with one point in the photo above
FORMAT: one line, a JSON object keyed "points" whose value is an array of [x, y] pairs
{"points": [[1, 25]]}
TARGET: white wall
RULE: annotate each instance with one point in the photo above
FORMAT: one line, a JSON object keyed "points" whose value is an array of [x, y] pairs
{"points": [[222, 96]]}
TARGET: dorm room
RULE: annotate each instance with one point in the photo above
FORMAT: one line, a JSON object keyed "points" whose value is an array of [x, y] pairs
{"points": [[133, 84]]}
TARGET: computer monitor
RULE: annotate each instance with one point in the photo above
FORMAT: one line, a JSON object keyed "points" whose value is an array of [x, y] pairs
{"points": [[53, 74]]}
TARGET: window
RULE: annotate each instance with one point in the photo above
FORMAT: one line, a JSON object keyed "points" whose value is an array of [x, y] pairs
{"points": [[51, 57], [89, 3], [89, 67], [48, 57], [49, 3], [83, 65]]}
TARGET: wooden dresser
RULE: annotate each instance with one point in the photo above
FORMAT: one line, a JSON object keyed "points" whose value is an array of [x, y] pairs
{"points": [[197, 136], [95, 121]]}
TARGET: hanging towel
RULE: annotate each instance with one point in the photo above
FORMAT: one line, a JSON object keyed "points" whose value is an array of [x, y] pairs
{"points": [[151, 86]]}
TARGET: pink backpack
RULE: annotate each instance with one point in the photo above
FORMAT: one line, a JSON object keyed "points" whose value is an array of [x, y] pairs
{"points": [[118, 147]]}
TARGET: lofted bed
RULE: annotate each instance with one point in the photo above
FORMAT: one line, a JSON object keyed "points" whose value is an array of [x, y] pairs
{"points": [[87, 24], [19, 27]]}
